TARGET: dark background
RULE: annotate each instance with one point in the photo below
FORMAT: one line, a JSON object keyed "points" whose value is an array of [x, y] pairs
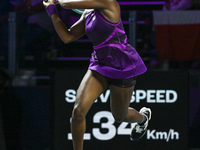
{"points": [[39, 53]]}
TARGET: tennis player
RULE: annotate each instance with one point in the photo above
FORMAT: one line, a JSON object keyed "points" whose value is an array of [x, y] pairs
{"points": [[114, 64]]}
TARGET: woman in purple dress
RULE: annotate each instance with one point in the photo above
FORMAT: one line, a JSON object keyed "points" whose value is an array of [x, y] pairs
{"points": [[114, 64]]}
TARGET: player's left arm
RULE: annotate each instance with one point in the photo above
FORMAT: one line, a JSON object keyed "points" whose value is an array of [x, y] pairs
{"points": [[83, 4], [108, 8]]}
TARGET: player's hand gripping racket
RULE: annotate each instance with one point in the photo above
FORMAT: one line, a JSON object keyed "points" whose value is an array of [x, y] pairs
{"points": [[78, 11]]}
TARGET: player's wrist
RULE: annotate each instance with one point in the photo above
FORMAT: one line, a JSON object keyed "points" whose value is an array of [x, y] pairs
{"points": [[51, 9]]}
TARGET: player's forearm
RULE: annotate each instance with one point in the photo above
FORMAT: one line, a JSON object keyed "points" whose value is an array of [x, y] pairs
{"points": [[61, 29]]}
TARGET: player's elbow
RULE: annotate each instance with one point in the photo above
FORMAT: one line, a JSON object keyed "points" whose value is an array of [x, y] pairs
{"points": [[66, 41]]}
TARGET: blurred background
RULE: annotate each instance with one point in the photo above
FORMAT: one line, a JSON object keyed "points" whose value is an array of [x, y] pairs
{"points": [[166, 34]]}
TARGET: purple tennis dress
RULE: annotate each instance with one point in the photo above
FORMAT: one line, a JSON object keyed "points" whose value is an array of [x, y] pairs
{"points": [[113, 56]]}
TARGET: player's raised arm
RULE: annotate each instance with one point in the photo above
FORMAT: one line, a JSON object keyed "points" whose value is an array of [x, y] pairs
{"points": [[83, 4], [108, 8], [67, 35]]}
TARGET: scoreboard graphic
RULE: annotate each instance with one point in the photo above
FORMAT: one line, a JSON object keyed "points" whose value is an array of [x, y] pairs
{"points": [[166, 93]]}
